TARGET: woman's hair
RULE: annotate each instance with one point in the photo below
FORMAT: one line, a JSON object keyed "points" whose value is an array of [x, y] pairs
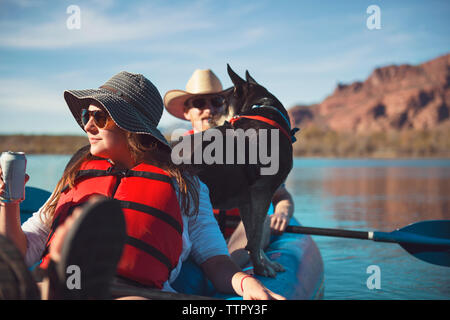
{"points": [[143, 148]]}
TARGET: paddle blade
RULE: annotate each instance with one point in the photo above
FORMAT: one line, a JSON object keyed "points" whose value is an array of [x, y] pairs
{"points": [[435, 251], [438, 255]]}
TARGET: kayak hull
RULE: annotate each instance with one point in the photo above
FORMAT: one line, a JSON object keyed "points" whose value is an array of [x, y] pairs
{"points": [[302, 279]]}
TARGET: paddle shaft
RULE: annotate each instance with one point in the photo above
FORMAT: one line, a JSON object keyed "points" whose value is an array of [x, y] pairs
{"points": [[402, 237], [329, 232], [365, 235]]}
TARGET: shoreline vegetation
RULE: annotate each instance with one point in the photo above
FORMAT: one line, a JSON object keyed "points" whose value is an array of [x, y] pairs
{"points": [[311, 142], [42, 144], [315, 142]]}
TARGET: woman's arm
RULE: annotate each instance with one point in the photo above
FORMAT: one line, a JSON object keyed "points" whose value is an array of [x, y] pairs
{"points": [[36, 232], [227, 277], [10, 220], [210, 251], [204, 233], [30, 237], [10, 225]]}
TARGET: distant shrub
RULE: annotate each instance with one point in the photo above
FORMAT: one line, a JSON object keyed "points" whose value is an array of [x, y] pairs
{"points": [[42, 144]]}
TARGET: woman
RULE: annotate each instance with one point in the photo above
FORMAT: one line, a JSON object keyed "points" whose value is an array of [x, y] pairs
{"points": [[129, 159]]}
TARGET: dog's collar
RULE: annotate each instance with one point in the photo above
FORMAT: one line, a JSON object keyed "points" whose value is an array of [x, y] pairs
{"points": [[263, 119], [290, 136], [277, 110]]}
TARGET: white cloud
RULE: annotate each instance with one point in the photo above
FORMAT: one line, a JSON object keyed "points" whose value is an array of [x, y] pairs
{"points": [[104, 4], [24, 3], [98, 29], [30, 106], [141, 27], [27, 95]]}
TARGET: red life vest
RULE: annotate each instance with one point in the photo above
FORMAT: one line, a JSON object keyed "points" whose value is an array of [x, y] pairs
{"points": [[228, 220], [152, 214]]}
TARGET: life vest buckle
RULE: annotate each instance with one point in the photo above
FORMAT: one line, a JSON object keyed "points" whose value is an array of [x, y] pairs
{"points": [[122, 173]]}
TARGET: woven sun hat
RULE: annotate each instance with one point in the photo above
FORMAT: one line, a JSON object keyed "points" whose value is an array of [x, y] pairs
{"points": [[202, 82], [132, 101]]}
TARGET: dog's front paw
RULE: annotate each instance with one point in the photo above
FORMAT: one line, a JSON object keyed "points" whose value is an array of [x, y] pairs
{"points": [[265, 267], [273, 264], [264, 270], [277, 266]]}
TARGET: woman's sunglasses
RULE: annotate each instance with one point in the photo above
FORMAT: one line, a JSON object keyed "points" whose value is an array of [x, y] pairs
{"points": [[100, 117], [202, 102]]}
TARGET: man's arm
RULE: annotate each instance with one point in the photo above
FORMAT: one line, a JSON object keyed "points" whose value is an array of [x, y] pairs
{"points": [[283, 210]]}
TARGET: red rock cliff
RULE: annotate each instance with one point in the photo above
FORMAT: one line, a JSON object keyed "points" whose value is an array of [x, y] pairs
{"points": [[392, 97]]}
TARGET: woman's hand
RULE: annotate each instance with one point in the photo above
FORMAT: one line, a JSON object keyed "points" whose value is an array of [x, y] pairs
{"points": [[2, 183], [227, 277], [255, 290]]}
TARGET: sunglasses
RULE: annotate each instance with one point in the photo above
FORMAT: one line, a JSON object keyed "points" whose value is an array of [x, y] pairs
{"points": [[202, 102], [100, 117]]}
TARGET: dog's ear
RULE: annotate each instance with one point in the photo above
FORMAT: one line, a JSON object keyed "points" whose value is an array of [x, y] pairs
{"points": [[249, 78], [237, 81]]}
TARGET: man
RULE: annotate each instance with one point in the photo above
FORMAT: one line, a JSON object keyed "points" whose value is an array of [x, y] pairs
{"points": [[201, 102]]}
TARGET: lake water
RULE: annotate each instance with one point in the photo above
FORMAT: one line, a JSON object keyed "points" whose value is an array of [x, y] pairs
{"points": [[352, 194]]}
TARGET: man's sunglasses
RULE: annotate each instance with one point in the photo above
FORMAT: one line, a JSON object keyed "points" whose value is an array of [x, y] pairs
{"points": [[202, 102], [100, 117]]}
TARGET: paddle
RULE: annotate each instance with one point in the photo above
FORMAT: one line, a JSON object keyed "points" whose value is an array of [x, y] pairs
{"points": [[426, 240]]}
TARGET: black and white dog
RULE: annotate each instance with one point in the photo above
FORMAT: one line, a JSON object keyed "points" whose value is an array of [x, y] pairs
{"points": [[244, 160]]}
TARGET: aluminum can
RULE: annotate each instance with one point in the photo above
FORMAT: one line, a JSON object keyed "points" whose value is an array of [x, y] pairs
{"points": [[13, 174]]}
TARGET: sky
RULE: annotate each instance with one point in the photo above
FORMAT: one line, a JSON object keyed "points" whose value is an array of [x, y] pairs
{"points": [[299, 50]]}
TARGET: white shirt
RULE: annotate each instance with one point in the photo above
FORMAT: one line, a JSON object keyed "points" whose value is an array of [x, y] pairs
{"points": [[201, 236]]}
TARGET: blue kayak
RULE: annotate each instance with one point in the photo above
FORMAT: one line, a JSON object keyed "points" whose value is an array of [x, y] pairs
{"points": [[302, 279]]}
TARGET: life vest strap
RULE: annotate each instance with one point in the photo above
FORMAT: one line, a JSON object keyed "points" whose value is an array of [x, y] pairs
{"points": [[124, 173], [152, 211], [120, 173], [149, 249]]}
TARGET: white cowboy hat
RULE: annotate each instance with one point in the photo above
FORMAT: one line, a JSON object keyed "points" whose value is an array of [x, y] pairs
{"points": [[201, 82]]}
